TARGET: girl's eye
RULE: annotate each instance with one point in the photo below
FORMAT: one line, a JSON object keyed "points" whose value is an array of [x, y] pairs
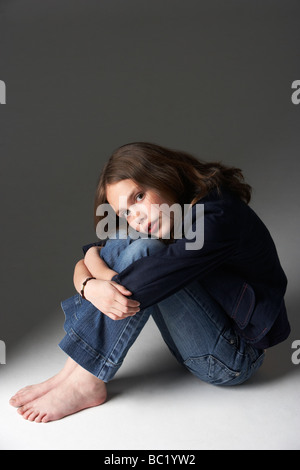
{"points": [[140, 195], [126, 213]]}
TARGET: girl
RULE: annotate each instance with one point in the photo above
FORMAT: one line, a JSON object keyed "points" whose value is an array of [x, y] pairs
{"points": [[218, 303]]}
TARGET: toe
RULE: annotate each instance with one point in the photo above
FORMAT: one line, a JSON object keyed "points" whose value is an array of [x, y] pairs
{"points": [[29, 416], [39, 418], [33, 415], [27, 413], [16, 401], [22, 409]]}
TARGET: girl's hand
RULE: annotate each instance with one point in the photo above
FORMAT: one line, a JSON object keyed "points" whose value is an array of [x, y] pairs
{"points": [[110, 298]]}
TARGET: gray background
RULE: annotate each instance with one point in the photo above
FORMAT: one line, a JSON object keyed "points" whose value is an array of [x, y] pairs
{"points": [[85, 76]]}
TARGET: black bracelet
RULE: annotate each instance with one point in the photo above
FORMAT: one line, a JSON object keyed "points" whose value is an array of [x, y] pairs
{"points": [[83, 286]]}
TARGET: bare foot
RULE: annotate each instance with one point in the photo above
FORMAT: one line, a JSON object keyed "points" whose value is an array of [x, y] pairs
{"points": [[79, 390], [31, 392]]}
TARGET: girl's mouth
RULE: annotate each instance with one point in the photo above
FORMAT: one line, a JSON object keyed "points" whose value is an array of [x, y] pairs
{"points": [[152, 227]]}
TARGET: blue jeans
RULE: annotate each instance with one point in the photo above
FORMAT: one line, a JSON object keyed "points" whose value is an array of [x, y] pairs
{"points": [[194, 326]]}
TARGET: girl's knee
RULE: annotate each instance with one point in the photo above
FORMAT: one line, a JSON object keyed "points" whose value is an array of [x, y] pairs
{"points": [[120, 253], [144, 247]]}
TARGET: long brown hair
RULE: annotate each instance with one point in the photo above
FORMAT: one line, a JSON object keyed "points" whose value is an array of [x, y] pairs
{"points": [[174, 174]]}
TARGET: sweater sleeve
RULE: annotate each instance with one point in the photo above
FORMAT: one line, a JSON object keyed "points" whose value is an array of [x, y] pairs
{"points": [[155, 277]]}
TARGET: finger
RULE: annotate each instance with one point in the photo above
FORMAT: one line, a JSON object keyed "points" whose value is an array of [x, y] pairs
{"points": [[116, 314], [122, 289], [125, 291], [125, 310], [112, 313], [125, 301]]}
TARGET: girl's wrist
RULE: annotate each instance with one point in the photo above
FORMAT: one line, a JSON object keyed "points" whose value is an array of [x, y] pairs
{"points": [[85, 287], [108, 274]]}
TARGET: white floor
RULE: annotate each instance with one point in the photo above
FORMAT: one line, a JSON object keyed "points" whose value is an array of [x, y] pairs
{"points": [[154, 403]]}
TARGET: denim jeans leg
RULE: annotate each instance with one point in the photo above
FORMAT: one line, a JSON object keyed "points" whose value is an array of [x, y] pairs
{"points": [[194, 326], [201, 336], [93, 340]]}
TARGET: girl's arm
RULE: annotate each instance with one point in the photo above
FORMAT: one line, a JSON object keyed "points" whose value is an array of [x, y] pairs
{"points": [[97, 267], [107, 296]]}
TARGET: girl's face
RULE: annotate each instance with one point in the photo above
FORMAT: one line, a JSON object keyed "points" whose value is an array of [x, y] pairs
{"points": [[140, 207]]}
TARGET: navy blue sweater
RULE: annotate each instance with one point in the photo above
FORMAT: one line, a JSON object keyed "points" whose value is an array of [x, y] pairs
{"points": [[238, 264]]}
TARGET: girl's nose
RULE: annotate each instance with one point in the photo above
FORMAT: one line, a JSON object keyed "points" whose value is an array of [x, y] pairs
{"points": [[138, 219]]}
